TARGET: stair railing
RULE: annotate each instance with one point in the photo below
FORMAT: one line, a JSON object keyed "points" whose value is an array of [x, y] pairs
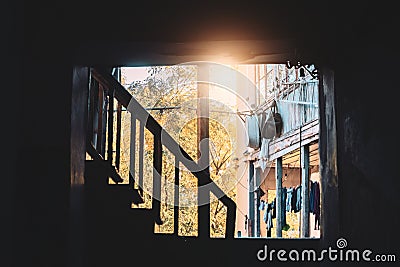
{"points": [[161, 137]]}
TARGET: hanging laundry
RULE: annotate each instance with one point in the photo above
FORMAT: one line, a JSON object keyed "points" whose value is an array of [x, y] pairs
{"points": [[268, 216], [284, 195], [289, 194], [263, 156], [298, 198], [262, 205], [268, 129], [265, 217], [293, 201], [246, 220], [269, 220], [316, 197], [273, 206], [312, 196], [317, 205]]}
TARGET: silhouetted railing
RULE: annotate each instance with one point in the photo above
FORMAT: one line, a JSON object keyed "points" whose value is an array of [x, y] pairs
{"points": [[115, 90]]}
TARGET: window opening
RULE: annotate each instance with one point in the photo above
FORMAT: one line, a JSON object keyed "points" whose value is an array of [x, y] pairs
{"points": [[260, 127]]}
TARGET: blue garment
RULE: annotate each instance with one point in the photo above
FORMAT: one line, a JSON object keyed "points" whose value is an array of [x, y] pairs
{"points": [[289, 195], [269, 220], [298, 198], [273, 207], [312, 196], [317, 208], [265, 215], [262, 205], [294, 199], [268, 216], [284, 195]]}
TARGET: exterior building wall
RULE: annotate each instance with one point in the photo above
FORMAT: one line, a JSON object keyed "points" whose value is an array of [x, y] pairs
{"points": [[242, 201], [264, 78]]}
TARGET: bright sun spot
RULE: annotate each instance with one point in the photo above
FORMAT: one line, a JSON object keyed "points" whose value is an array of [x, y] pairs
{"points": [[132, 74]]}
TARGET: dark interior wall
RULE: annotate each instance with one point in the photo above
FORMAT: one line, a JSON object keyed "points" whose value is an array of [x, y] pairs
{"points": [[365, 69], [367, 115], [42, 79], [364, 64], [11, 66], [355, 41], [43, 157]]}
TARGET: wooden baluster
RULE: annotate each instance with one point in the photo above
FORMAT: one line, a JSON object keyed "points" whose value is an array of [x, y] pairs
{"points": [[118, 137], [99, 136], [157, 174], [176, 197], [132, 153], [91, 109], [110, 125], [141, 155]]}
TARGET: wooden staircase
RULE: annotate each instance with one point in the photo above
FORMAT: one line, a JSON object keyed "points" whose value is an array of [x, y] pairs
{"points": [[111, 222], [113, 226]]}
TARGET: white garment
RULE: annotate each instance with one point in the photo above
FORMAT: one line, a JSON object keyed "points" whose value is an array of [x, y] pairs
{"points": [[264, 153]]}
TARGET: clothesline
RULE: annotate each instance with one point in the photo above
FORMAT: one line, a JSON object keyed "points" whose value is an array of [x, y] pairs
{"points": [[292, 202]]}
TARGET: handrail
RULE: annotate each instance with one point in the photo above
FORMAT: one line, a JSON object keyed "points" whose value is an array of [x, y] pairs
{"points": [[126, 99]]}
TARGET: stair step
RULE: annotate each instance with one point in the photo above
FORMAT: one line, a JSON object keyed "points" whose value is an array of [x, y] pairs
{"points": [[97, 187], [124, 191], [114, 197], [111, 236]]}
